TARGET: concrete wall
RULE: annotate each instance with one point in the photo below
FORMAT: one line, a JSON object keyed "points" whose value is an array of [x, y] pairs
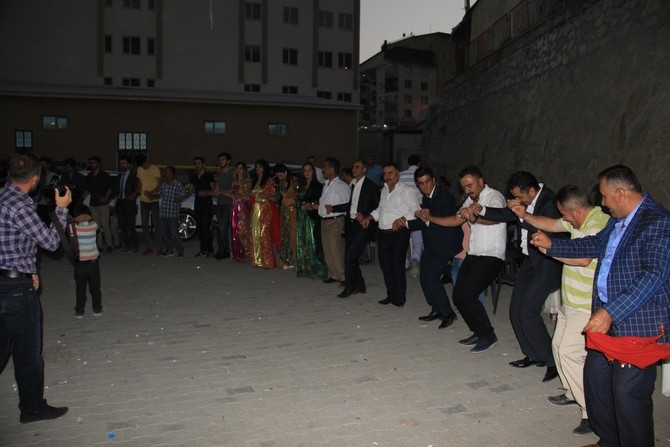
{"points": [[588, 88]]}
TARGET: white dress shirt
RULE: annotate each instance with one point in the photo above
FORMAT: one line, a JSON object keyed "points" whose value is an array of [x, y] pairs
{"points": [[488, 240], [335, 192], [401, 202]]}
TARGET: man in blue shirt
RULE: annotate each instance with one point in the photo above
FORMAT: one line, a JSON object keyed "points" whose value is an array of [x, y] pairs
{"points": [[631, 297], [21, 231]]}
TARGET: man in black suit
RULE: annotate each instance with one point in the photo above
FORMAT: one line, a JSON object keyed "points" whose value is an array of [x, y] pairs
{"points": [[126, 205], [538, 276], [364, 199], [440, 244]]}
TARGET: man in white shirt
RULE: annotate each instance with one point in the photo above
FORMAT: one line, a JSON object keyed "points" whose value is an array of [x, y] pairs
{"points": [[335, 192], [483, 261], [397, 205]]}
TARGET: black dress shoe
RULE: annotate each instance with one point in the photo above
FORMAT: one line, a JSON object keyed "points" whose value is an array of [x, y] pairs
{"points": [[329, 280], [430, 317], [361, 290], [561, 400], [386, 300], [471, 340], [526, 362], [346, 293], [447, 321], [398, 303], [551, 374], [48, 412]]}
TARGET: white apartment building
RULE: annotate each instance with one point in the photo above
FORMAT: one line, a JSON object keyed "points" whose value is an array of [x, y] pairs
{"points": [[274, 79]]}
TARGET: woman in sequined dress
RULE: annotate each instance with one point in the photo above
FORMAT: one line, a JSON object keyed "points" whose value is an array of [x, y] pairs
{"points": [[263, 202], [240, 217], [309, 252], [286, 195]]}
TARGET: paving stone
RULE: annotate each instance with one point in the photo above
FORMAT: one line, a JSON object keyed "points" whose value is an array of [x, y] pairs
{"points": [[228, 355]]}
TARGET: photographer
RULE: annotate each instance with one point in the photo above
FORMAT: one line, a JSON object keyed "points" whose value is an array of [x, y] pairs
{"points": [[21, 230]]}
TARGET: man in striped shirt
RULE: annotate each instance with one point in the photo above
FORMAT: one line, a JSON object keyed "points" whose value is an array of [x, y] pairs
{"points": [[580, 218]]}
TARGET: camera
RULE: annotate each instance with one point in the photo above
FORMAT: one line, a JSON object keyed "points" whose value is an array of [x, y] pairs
{"points": [[48, 191]]}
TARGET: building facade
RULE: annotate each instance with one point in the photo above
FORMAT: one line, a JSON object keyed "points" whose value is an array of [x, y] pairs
{"points": [[261, 79], [399, 83]]}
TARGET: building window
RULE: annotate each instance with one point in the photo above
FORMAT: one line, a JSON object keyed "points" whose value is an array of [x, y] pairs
{"points": [[408, 84], [345, 21], [252, 53], [277, 129], [408, 69], [424, 86], [252, 11], [108, 43], [108, 81], [408, 99], [424, 71], [215, 127], [289, 90], [131, 45], [133, 4], [324, 95], [23, 139], [130, 82], [326, 59], [151, 46], [151, 83], [252, 88], [344, 60], [346, 97], [132, 141], [424, 100], [54, 122], [290, 56], [325, 19], [290, 15]]}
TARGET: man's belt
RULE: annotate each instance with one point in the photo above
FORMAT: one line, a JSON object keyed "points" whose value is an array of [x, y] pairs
{"points": [[15, 274], [332, 217]]}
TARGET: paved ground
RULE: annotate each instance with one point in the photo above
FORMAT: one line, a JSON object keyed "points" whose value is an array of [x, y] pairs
{"points": [[194, 352]]}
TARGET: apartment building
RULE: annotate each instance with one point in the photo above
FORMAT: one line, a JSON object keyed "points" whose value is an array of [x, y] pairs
{"points": [[399, 83], [261, 79]]}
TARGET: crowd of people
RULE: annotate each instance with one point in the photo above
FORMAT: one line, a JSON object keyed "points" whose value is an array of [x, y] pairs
{"points": [[612, 270]]}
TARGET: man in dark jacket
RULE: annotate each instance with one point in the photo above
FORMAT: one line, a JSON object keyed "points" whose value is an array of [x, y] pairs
{"points": [[126, 205], [440, 244], [364, 199], [538, 276]]}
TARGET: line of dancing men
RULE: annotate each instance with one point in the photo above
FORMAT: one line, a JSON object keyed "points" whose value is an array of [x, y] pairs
{"points": [[562, 237]]}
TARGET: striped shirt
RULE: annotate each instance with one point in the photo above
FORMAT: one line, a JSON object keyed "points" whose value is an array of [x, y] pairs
{"points": [[577, 282], [21, 230], [87, 240]]}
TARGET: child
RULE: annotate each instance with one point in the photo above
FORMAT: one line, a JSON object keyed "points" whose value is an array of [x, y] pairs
{"points": [[87, 267]]}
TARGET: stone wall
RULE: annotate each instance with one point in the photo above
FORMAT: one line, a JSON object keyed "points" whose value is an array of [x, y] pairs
{"points": [[586, 89]]}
